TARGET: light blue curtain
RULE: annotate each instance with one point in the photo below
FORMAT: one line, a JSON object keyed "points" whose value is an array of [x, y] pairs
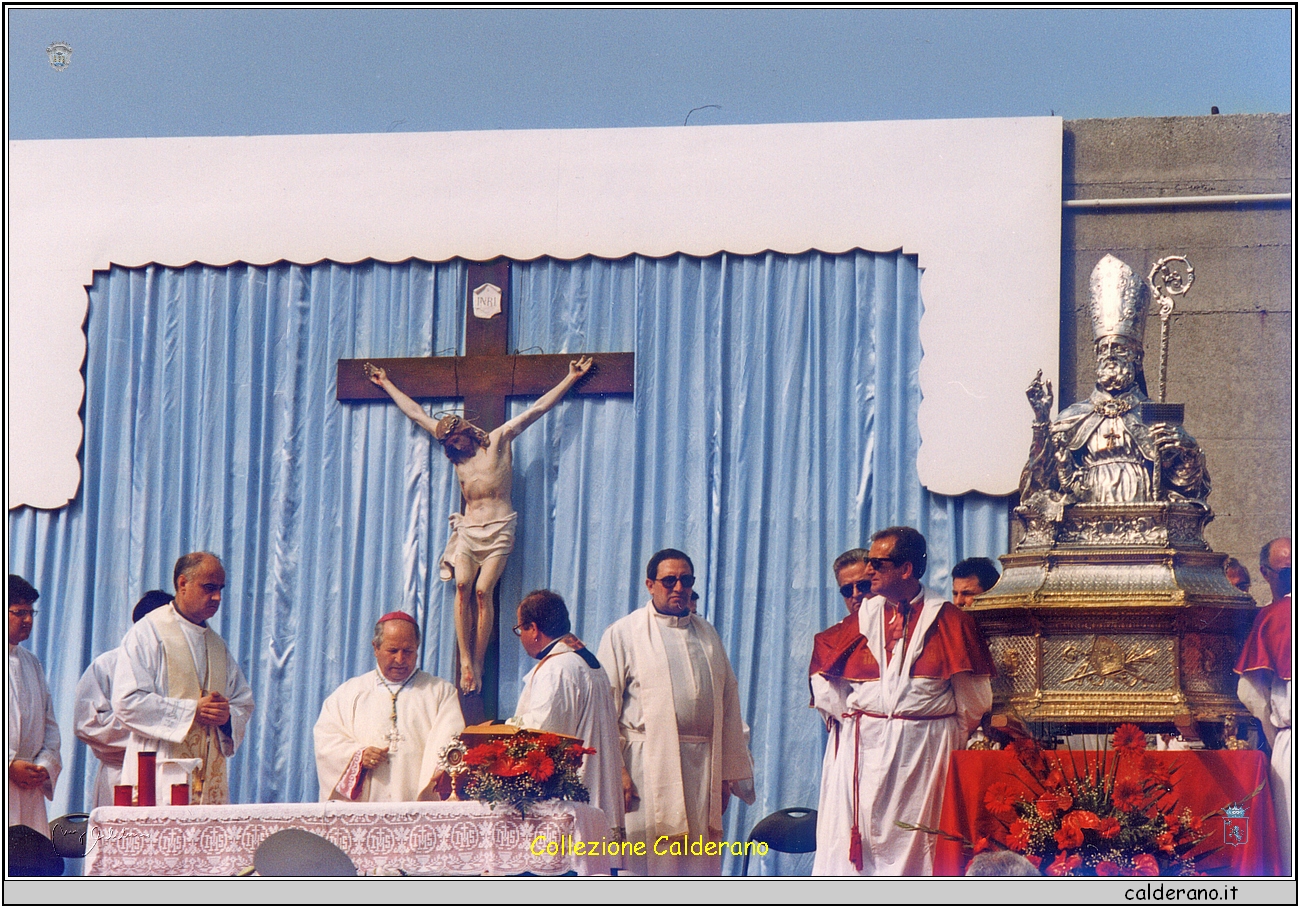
{"points": [[773, 426]]}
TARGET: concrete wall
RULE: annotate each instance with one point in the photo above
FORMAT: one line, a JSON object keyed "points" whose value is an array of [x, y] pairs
{"points": [[1232, 335]]}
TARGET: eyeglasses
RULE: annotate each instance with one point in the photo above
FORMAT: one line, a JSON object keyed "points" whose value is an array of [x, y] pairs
{"points": [[23, 612], [670, 582], [878, 564], [862, 586], [518, 629]]}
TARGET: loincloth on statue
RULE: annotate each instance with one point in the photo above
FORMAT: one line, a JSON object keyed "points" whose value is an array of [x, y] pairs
{"points": [[479, 541]]}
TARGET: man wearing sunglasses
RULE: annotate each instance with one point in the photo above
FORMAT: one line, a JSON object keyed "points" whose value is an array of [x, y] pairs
{"points": [[684, 741], [925, 674], [34, 761]]}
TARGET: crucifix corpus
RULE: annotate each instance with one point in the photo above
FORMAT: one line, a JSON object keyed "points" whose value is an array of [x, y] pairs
{"points": [[483, 535]]}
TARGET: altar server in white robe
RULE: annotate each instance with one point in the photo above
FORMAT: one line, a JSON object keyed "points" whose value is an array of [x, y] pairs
{"points": [[922, 684], [177, 688], [92, 716], [34, 761], [568, 692], [380, 735], [684, 739]]}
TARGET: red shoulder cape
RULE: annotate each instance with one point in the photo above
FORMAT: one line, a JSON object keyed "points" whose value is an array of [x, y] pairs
{"points": [[1268, 645], [953, 644]]}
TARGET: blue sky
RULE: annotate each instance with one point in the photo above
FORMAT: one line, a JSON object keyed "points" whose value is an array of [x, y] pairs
{"points": [[148, 72]]}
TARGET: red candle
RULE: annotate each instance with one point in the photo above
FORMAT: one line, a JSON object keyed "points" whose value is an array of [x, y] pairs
{"points": [[148, 778], [180, 794], [122, 795]]}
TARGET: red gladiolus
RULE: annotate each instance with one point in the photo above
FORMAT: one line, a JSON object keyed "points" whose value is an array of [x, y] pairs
{"points": [[980, 845], [1127, 794], [1054, 779], [1107, 868], [1064, 865], [548, 740], [1108, 828], [1063, 800], [1000, 800], [1047, 806], [1081, 819], [1069, 837], [1145, 865], [1129, 739], [1166, 841]]}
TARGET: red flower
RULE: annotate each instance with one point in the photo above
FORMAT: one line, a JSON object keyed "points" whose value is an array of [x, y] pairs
{"points": [[538, 765], [484, 754], [1029, 754], [1129, 739], [1145, 865], [548, 740], [1069, 837], [1081, 819], [1156, 770], [980, 845], [1108, 828], [1107, 868], [507, 768], [1064, 865], [1196, 825], [1048, 807], [1166, 841], [1063, 800], [1054, 779], [1018, 839], [1127, 794], [1000, 800]]}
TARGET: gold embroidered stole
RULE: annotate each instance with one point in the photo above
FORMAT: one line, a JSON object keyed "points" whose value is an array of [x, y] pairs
{"points": [[208, 784]]}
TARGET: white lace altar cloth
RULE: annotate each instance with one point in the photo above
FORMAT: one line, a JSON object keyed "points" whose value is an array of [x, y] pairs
{"points": [[447, 837]]}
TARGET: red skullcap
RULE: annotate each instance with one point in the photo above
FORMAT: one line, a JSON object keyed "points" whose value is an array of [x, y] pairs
{"points": [[399, 616]]}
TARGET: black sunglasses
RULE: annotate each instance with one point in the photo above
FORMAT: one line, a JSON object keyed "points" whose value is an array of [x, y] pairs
{"points": [[862, 586], [879, 563], [669, 582]]}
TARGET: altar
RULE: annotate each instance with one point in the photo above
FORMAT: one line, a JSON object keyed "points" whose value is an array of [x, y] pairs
{"points": [[1204, 781], [451, 838]]}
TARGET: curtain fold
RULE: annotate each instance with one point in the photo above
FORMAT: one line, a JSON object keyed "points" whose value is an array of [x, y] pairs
{"points": [[773, 426]]}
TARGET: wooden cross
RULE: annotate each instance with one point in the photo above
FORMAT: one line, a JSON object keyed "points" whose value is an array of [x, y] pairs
{"points": [[484, 377]]}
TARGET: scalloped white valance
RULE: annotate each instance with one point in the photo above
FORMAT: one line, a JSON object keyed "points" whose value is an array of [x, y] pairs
{"points": [[979, 201]]}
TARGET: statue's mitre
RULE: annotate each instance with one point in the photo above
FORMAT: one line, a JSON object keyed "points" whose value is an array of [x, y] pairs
{"points": [[1117, 300]]}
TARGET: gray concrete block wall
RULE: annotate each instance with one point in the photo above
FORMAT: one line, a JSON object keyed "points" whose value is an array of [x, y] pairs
{"points": [[1232, 336]]}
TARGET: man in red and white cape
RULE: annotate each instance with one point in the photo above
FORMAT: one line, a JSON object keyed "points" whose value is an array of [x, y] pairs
{"points": [[922, 684], [380, 735], [1265, 683]]}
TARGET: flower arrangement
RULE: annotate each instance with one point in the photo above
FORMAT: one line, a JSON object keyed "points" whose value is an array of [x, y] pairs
{"points": [[518, 769], [1116, 816]]}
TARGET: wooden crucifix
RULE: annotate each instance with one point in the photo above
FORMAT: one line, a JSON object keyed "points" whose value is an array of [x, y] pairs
{"points": [[484, 377]]}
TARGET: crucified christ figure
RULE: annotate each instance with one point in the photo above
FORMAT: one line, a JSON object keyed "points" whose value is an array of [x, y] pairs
{"points": [[484, 535]]}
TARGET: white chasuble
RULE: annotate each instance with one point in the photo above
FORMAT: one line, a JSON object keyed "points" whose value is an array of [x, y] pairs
{"points": [[33, 737], [683, 735], [167, 664], [359, 715], [95, 724], [565, 695]]}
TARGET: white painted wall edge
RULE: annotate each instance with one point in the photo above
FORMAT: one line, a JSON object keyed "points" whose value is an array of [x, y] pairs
{"points": [[979, 201]]}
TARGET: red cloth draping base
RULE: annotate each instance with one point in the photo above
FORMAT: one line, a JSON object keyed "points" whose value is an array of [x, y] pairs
{"points": [[1204, 781]]}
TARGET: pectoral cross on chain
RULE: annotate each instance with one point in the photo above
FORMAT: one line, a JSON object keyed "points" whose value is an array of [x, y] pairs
{"points": [[394, 738]]}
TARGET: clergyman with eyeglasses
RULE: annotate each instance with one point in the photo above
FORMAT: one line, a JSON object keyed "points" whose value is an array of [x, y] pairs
{"points": [[923, 683], [685, 750], [34, 761]]}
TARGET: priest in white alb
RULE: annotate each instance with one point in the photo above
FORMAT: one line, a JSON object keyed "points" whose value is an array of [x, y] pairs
{"points": [[34, 761], [380, 735], [684, 738], [92, 713], [568, 693], [177, 688]]}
